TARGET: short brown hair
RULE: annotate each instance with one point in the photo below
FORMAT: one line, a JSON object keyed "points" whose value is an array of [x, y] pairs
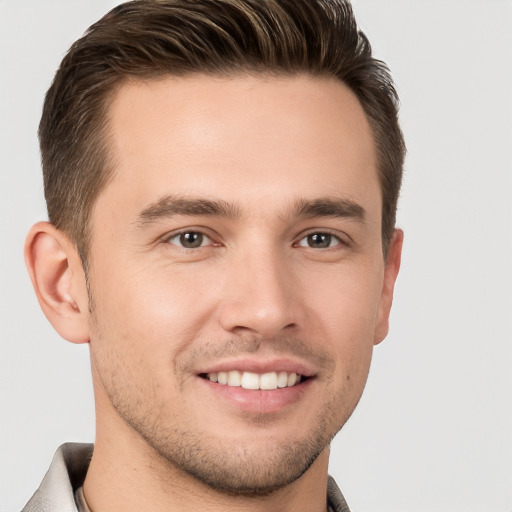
{"points": [[152, 38]]}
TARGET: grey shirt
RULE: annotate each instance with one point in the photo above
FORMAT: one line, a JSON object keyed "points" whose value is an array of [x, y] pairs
{"points": [[60, 490]]}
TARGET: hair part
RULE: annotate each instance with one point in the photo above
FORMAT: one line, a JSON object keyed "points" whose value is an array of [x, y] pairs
{"points": [[148, 39]]}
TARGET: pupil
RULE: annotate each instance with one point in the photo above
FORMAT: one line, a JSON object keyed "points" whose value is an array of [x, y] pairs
{"points": [[321, 240], [191, 240]]}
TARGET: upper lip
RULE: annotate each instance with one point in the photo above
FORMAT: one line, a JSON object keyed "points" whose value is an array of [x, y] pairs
{"points": [[260, 366]]}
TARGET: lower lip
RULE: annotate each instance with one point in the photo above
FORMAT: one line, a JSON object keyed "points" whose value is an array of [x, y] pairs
{"points": [[258, 400]]}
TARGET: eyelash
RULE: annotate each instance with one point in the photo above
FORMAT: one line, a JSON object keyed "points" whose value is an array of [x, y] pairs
{"points": [[202, 236], [340, 239], [199, 232]]}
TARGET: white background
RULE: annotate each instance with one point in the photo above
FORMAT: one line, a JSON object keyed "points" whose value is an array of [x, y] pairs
{"points": [[433, 430]]}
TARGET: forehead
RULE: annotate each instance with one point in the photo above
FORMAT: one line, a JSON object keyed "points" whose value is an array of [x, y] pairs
{"points": [[246, 139]]}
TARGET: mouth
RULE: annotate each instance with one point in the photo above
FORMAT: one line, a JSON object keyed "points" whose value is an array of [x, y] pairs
{"points": [[259, 388], [255, 381]]}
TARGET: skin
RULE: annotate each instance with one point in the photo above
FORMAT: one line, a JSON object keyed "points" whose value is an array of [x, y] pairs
{"points": [[285, 162]]}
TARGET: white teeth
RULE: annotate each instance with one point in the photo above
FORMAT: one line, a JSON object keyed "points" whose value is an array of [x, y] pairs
{"points": [[268, 381], [292, 379], [282, 380], [234, 378], [251, 380]]}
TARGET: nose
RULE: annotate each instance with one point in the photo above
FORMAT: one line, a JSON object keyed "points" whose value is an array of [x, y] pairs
{"points": [[259, 296]]}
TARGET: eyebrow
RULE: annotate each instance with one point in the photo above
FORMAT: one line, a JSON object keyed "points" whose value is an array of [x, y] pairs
{"points": [[169, 206], [330, 207]]}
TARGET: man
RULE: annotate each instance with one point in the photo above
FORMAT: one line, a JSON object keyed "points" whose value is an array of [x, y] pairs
{"points": [[221, 180]]}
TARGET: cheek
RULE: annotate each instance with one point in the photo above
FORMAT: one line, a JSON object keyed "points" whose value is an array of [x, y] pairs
{"points": [[347, 300], [155, 311], [347, 314], [137, 332]]}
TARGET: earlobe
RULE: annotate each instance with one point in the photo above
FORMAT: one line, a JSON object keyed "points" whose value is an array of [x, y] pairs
{"points": [[388, 285], [58, 281]]}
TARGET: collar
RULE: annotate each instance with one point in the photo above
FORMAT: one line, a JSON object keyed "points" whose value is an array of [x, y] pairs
{"points": [[67, 472]]}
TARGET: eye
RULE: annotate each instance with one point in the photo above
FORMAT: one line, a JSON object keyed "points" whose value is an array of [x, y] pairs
{"points": [[189, 239], [319, 241]]}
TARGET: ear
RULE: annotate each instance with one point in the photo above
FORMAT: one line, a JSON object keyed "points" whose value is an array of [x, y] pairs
{"points": [[391, 269], [59, 281]]}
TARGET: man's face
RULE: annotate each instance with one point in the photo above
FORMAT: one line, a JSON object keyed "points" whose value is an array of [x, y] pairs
{"points": [[238, 240]]}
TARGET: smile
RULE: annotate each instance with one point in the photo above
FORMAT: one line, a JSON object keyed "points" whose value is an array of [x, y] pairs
{"points": [[251, 380]]}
